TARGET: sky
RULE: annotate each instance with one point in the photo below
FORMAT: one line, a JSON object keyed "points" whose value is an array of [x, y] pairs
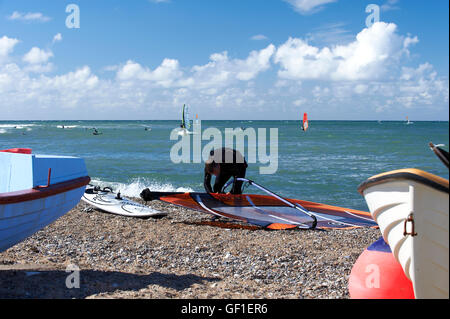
{"points": [[226, 59]]}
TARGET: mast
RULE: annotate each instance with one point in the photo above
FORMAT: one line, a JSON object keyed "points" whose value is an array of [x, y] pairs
{"points": [[183, 122]]}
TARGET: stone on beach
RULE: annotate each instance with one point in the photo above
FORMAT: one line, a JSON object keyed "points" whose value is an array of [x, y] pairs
{"points": [[178, 257]]}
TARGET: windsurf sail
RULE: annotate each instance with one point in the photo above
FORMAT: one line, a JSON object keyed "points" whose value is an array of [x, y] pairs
{"points": [[269, 211], [408, 122], [305, 123], [185, 121], [440, 153]]}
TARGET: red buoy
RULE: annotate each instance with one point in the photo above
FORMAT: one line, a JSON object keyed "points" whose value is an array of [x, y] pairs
{"points": [[376, 274]]}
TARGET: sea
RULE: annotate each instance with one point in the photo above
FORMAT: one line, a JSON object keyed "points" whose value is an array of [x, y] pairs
{"points": [[324, 164]]}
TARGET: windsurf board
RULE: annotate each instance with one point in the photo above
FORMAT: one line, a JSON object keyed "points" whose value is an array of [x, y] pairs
{"points": [[109, 202]]}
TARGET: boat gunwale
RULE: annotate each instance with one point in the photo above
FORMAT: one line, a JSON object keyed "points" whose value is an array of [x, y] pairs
{"points": [[415, 175], [43, 192]]}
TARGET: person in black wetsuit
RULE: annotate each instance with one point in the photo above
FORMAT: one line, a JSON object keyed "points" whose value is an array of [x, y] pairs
{"points": [[224, 163]]}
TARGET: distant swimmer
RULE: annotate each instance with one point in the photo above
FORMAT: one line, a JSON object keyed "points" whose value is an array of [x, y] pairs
{"points": [[96, 132], [224, 163]]}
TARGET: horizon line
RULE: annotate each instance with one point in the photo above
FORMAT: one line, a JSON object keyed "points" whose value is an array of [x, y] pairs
{"points": [[176, 120]]}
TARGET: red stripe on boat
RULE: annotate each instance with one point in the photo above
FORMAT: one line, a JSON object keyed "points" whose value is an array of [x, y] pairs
{"points": [[38, 193], [18, 150]]}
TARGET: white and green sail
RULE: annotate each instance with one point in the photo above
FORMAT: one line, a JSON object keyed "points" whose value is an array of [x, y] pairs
{"points": [[185, 119]]}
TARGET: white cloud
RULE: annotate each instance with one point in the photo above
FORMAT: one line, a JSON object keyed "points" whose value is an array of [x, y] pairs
{"points": [[37, 56], [408, 41], [111, 68], [29, 17], [37, 61], [6, 46], [308, 6], [320, 92], [39, 68], [299, 102], [63, 91], [257, 61], [420, 86], [57, 38], [221, 70], [164, 75], [80, 79], [368, 57], [409, 74], [134, 87], [259, 37], [390, 5], [361, 88], [368, 74], [332, 33]]}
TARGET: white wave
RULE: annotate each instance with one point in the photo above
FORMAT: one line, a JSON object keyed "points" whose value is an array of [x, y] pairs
{"points": [[17, 126], [136, 186], [66, 126], [2, 131]]}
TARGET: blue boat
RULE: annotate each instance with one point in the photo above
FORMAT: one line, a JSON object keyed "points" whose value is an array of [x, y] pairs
{"points": [[35, 190]]}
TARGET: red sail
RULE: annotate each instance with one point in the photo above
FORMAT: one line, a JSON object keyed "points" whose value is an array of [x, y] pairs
{"points": [[305, 122]]}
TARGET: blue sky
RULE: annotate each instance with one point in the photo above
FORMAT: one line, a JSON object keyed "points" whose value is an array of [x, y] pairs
{"points": [[227, 59]]}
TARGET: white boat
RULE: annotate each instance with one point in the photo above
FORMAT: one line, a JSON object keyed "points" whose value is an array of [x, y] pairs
{"points": [[35, 190], [411, 208]]}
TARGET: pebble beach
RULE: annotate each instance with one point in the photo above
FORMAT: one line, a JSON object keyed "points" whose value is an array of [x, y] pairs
{"points": [[180, 256]]}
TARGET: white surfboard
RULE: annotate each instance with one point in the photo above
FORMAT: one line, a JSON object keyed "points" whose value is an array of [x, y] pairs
{"points": [[108, 202]]}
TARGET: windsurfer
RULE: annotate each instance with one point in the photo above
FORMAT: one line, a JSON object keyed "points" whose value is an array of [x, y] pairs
{"points": [[224, 163]]}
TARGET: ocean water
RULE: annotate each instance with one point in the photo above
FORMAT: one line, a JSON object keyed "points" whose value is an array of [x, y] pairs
{"points": [[325, 164]]}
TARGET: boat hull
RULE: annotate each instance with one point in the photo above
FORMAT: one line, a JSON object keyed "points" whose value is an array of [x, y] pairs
{"points": [[21, 220], [411, 208], [35, 190]]}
